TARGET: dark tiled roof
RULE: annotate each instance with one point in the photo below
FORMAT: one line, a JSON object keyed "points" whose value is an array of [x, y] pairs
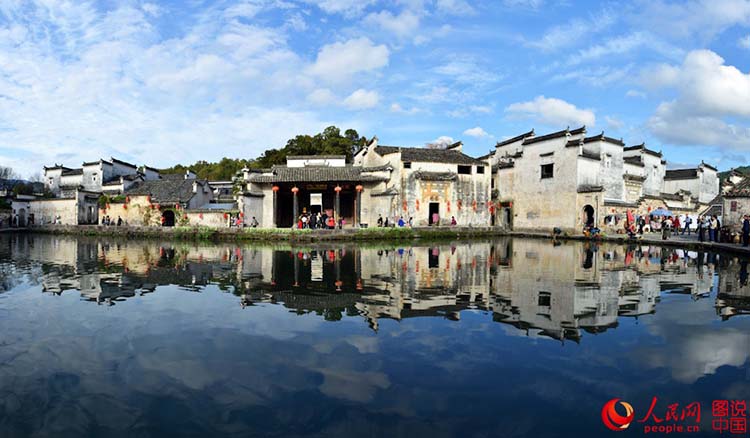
{"points": [[681, 174], [557, 134], [585, 188], [591, 155], [425, 155], [515, 139], [316, 157], [643, 147], [92, 163], [581, 130], [165, 190], [435, 176], [124, 163], [742, 189], [602, 137], [154, 169], [56, 166], [709, 166], [634, 177], [506, 165], [314, 174], [634, 161], [390, 191], [671, 197], [573, 143], [70, 172]]}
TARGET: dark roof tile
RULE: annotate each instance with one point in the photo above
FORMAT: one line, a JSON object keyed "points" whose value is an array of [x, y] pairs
{"points": [[425, 155], [515, 139]]}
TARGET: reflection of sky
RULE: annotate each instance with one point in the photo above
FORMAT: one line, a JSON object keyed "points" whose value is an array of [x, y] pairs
{"points": [[177, 363]]}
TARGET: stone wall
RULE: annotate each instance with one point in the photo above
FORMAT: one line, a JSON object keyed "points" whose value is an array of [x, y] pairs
{"points": [[734, 209]]}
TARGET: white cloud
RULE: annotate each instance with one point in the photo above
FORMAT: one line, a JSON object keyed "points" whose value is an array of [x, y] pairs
{"points": [[635, 93], [477, 132], [455, 7], [345, 7], [571, 33], [343, 59], [551, 111], [712, 99], [744, 42], [441, 142], [620, 45], [402, 25], [362, 99], [528, 4], [614, 123], [322, 96], [397, 108], [691, 18], [466, 70]]}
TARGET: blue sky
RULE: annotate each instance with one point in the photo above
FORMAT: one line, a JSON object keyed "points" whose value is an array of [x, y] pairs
{"points": [[177, 81]]}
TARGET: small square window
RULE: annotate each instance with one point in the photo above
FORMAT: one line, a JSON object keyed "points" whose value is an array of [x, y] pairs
{"points": [[480, 169], [548, 170], [407, 165], [464, 170], [545, 299]]}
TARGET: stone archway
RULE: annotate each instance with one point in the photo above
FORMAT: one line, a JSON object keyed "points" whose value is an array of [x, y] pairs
{"points": [[167, 218], [21, 217], [588, 215]]}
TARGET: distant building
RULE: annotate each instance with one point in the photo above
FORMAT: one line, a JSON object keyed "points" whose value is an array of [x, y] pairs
{"points": [[432, 186], [567, 180]]}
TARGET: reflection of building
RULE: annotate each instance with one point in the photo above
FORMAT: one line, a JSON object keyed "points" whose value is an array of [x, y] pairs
{"points": [[556, 290]]}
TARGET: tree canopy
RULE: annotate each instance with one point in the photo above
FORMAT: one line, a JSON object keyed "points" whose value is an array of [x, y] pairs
{"points": [[328, 142]]}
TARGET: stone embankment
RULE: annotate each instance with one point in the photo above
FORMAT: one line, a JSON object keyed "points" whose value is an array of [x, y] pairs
{"points": [[382, 234]]}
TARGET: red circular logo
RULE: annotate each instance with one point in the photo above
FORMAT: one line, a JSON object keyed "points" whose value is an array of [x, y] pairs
{"points": [[612, 419]]}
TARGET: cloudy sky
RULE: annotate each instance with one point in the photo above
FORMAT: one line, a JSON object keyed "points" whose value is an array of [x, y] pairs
{"points": [[177, 81]]}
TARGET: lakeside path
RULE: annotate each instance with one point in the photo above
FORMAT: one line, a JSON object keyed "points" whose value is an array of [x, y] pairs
{"points": [[367, 234]]}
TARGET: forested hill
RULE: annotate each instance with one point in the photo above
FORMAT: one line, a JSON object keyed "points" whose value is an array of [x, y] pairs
{"points": [[328, 142]]}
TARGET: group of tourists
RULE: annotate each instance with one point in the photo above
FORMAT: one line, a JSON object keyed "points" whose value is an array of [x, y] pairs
{"points": [[710, 224], [106, 220], [319, 221], [400, 222]]}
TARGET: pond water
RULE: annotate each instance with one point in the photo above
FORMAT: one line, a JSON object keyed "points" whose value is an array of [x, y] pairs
{"points": [[505, 338]]}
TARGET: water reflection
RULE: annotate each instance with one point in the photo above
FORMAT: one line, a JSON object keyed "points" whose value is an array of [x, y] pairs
{"points": [[140, 338], [558, 291]]}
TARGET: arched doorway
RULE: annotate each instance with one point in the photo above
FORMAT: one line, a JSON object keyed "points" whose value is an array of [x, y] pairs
{"points": [[588, 215], [167, 218], [21, 217]]}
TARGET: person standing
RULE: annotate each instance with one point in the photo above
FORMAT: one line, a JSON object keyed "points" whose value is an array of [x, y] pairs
{"points": [[712, 228], [717, 236], [746, 231], [701, 229], [688, 222], [380, 221]]}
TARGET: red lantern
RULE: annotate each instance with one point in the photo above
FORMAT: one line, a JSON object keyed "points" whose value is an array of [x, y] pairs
{"points": [[460, 204], [226, 216], [337, 189], [295, 190], [242, 214], [275, 188], [416, 204], [359, 188], [448, 203], [405, 206], [474, 204]]}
